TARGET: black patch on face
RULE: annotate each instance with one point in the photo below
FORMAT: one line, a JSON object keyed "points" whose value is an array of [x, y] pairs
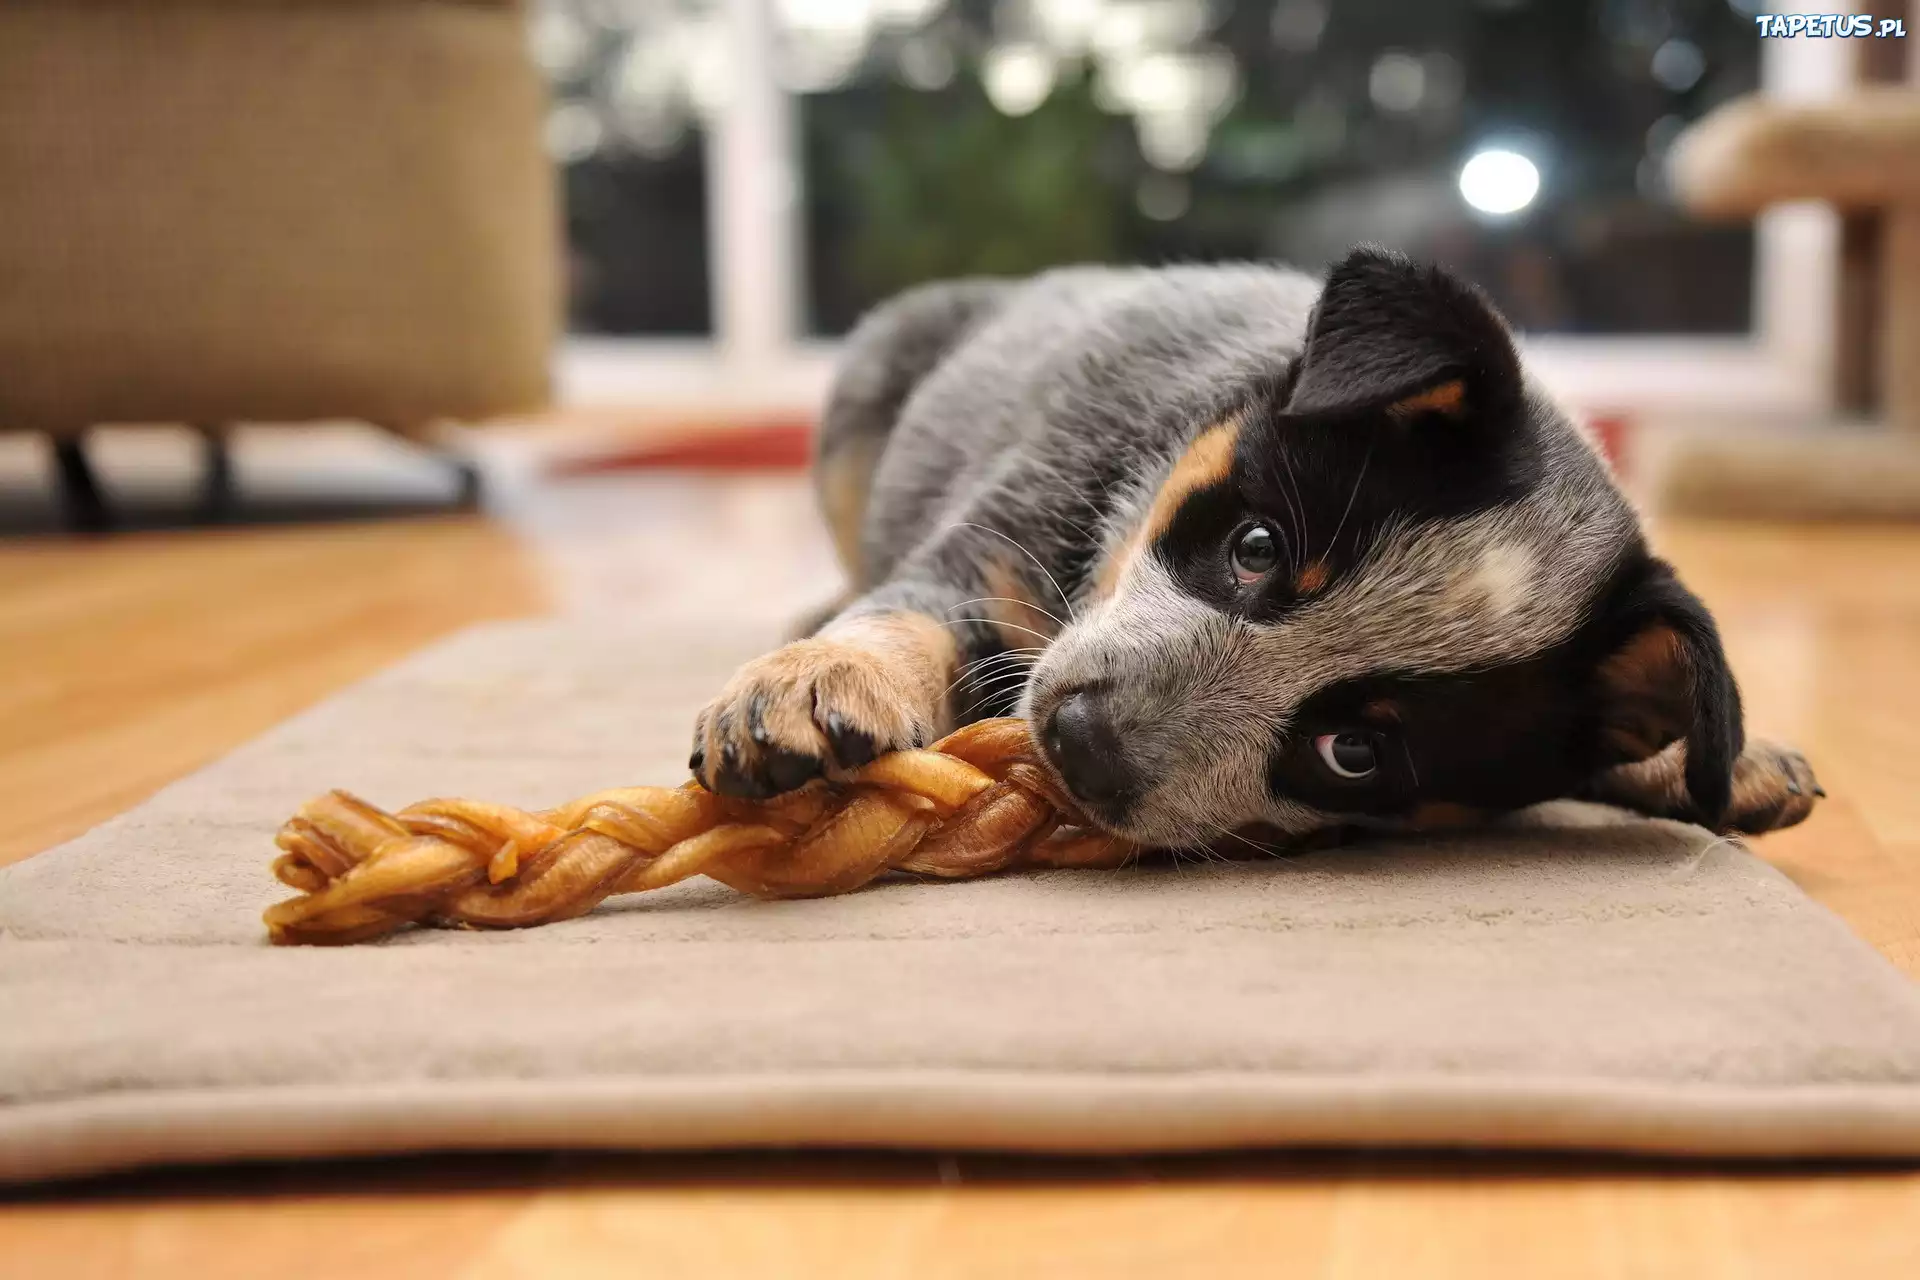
{"points": [[1328, 458], [1496, 739], [1524, 732]]}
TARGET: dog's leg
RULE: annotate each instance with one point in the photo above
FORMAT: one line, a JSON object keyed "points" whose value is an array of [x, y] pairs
{"points": [[1773, 787], [810, 622], [871, 680], [876, 677], [898, 667]]}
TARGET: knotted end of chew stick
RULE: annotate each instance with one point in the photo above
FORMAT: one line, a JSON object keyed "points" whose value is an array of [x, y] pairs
{"points": [[976, 802]]}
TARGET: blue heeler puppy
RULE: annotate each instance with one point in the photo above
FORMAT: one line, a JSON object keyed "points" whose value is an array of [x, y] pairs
{"points": [[1252, 551]]}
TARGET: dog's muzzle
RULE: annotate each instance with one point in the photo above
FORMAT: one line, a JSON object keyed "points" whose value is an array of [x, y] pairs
{"points": [[1081, 742]]}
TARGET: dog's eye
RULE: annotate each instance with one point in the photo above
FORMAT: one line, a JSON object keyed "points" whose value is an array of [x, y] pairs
{"points": [[1349, 755], [1255, 553]]}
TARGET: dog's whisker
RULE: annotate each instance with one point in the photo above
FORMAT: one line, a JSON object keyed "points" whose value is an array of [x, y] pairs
{"points": [[1023, 673], [1296, 510], [1001, 685], [995, 622], [1064, 598], [1023, 676], [994, 675], [995, 697], [1025, 656], [1025, 604], [1358, 480], [1029, 652], [1272, 851], [1020, 668], [986, 665], [1005, 680]]}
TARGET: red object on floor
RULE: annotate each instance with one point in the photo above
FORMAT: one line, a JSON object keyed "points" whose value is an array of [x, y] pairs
{"points": [[781, 445], [787, 444], [1613, 432]]}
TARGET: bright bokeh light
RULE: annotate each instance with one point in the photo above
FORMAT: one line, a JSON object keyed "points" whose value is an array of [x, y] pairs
{"points": [[1017, 77], [1498, 181]]}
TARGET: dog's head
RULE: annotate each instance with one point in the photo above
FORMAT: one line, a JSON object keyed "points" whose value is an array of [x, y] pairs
{"points": [[1398, 588]]}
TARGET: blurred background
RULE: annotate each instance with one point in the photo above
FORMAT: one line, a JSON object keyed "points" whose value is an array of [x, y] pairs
{"points": [[757, 174], [604, 229], [567, 279], [1521, 143]]}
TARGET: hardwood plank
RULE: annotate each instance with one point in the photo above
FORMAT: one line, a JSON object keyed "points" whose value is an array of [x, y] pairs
{"points": [[1822, 623], [136, 659], [285, 1221]]}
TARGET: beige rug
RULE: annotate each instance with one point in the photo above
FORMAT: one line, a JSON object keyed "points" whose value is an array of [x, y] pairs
{"points": [[1633, 987]]}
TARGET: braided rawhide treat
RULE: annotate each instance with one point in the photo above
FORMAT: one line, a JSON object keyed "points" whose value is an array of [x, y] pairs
{"points": [[973, 803]]}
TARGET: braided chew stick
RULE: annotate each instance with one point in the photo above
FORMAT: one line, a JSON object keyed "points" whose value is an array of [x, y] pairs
{"points": [[973, 803]]}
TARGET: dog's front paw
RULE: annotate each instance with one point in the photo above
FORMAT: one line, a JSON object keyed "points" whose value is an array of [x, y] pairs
{"points": [[1773, 787], [815, 706]]}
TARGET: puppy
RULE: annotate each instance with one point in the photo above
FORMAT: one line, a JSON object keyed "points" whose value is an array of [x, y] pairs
{"points": [[1249, 550]]}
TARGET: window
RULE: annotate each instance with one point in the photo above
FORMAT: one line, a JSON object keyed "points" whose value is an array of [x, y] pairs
{"points": [[855, 147], [629, 83], [951, 137]]}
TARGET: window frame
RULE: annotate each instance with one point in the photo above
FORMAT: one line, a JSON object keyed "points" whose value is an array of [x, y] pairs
{"points": [[759, 361]]}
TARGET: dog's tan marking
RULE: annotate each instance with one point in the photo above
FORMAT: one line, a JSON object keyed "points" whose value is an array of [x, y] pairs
{"points": [[1106, 575], [908, 659], [842, 480], [1011, 605], [1645, 688], [884, 674], [1773, 786], [1207, 461], [1311, 578], [1449, 398]]}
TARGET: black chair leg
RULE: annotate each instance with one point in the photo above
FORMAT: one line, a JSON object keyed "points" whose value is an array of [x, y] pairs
{"points": [[471, 489], [217, 493], [86, 505]]}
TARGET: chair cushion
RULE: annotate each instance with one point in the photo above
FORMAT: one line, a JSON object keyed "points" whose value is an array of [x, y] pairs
{"points": [[248, 210]]}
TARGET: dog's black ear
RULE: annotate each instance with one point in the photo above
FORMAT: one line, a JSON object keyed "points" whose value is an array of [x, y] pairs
{"points": [[1414, 341], [1662, 677]]}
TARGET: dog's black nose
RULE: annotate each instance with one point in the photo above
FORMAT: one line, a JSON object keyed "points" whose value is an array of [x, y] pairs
{"points": [[1082, 744]]}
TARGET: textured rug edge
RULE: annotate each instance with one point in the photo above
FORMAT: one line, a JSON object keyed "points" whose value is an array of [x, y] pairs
{"points": [[998, 1111]]}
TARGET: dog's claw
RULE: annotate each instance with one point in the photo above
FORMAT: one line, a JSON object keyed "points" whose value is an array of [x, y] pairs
{"points": [[851, 747]]}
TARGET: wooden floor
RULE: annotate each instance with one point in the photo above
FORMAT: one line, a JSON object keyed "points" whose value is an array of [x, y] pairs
{"points": [[125, 662]]}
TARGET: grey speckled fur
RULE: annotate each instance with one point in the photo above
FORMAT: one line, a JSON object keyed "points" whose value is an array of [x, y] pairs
{"points": [[997, 441], [1054, 406], [1052, 410]]}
